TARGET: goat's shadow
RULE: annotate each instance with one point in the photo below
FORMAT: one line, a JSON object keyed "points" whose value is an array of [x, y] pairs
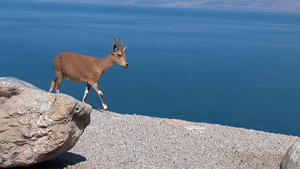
{"points": [[59, 162]]}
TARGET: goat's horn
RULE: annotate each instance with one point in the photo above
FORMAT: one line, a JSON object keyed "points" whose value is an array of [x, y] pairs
{"points": [[122, 45], [118, 44]]}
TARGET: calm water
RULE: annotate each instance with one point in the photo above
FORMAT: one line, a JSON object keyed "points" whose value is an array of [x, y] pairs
{"points": [[227, 67]]}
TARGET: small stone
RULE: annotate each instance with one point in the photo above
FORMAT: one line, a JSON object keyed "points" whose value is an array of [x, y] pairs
{"points": [[292, 157]]}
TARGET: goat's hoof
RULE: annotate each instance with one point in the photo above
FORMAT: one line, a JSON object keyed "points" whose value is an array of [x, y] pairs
{"points": [[102, 110], [104, 106]]}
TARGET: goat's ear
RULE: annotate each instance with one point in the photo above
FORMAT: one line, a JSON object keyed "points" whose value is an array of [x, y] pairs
{"points": [[124, 48], [114, 47]]}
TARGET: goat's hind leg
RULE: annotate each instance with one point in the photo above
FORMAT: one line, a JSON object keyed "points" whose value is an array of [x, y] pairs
{"points": [[86, 91], [52, 85], [56, 82]]}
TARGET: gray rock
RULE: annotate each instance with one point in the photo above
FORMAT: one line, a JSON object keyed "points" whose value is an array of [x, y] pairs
{"points": [[37, 125], [291, 160]]}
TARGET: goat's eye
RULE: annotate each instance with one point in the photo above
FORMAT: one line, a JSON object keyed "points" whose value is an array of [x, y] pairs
{"points": [[119, 55]]}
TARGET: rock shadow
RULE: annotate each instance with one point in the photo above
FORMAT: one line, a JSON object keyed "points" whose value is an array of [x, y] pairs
{"points": [[61, 161]]}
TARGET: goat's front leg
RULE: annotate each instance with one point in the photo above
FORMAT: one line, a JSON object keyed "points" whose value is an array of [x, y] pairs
{"points": [[96, 88]]}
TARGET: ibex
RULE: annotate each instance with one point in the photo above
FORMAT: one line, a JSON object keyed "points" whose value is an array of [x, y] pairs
{"points": [[80, 68]]}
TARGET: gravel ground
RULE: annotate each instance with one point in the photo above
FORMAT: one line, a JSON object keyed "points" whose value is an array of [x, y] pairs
{"points": [[131, 141]]}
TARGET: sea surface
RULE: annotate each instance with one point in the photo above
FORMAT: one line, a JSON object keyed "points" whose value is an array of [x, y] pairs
{"points": [[234, 68]]}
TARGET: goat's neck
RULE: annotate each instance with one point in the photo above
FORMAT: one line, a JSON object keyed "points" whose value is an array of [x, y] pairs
{"points": [[106, 63]]}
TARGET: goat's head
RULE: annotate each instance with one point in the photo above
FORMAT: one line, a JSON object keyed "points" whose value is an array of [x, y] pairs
{"points": [[118, 50]]}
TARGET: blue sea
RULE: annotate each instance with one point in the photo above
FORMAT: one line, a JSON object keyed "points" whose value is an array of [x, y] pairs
{"points": [[234, 68]]}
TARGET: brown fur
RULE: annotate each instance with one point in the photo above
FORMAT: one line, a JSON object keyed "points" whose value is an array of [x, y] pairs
{"points": [[81, 68]]}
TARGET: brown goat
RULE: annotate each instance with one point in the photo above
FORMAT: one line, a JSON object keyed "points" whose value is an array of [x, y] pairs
{"points": [[80, 68]]}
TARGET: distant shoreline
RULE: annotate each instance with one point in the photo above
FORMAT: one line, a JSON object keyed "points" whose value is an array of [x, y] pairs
{"points": [[283, 6]]}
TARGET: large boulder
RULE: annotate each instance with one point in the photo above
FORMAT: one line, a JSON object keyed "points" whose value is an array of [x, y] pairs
{"points": [[36, 125], [292, 157]]}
